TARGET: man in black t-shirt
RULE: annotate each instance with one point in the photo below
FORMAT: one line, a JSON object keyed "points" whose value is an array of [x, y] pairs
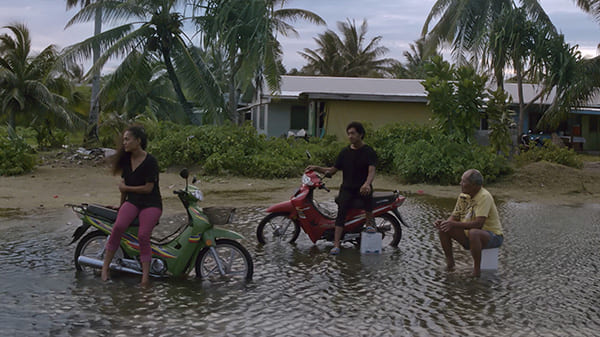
{"points": [[357, 162]]}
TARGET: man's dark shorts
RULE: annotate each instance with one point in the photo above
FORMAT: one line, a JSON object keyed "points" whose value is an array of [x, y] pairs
{"points": [[347, 200], [494, 242]]}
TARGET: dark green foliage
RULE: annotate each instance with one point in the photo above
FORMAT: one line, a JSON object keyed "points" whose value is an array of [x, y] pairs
{"points": [[16, 157], [550, 153], [500, 122], [424, 154], [456, 97], [230, 149], [415, 153]]}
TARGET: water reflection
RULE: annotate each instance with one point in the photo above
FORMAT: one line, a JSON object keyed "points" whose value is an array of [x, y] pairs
{"points": [[545, 284]]}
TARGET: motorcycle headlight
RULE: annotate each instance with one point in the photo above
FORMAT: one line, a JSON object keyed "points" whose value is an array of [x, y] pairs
{"points": [[198, 195], [306, 180]]}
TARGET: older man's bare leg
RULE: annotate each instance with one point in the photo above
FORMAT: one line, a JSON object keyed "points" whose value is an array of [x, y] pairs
{"points": [[477, 240], [446, 241]]}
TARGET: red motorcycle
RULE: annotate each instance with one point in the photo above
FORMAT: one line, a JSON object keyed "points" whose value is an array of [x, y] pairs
{"points": [[286, 218]]}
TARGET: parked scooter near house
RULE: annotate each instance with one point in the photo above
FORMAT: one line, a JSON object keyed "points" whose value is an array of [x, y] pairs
{"points": [[212, 252]]}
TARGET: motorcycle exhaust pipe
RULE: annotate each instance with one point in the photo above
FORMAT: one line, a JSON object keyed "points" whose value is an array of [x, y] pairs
{"points": [[95, 263]]}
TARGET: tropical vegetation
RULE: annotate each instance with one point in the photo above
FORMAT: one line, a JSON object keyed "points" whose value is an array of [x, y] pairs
{"points": [[91, 134], [498, 35], [348, 55], [244, 35], [183, 62], [34, 89], [16, 156]]}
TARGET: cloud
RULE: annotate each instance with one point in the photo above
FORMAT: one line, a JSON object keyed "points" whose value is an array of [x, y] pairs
{"points": [[398, 22]]}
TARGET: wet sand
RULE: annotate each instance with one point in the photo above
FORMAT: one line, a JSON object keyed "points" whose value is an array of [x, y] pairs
{"points": [[51, 187]]}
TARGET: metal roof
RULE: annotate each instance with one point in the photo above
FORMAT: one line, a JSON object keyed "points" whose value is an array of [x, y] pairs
{"points": [[381, 89]]}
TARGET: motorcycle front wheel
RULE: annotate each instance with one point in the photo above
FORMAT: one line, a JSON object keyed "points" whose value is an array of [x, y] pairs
{"points": [[277, 227], [92, 246], [232, 262]]}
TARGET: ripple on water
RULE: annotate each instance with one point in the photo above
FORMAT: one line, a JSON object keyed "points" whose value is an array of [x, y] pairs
{"points": [[545, 285]]}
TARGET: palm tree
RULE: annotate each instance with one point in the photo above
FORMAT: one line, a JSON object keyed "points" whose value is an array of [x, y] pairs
{"points": [[140, 86], [590, 6], [246, 35], [465, 23], [91, 135], [574, 79], [514, 43], [26, 80], [415, 62], [577, 79], [347, 55], [496, 33], [326, 59], [152, 27]]}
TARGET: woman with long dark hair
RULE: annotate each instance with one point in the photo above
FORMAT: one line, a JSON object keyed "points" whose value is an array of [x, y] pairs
{"points": [[140, 197]]}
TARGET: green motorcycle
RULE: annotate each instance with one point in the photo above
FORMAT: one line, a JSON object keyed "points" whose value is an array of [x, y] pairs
{"points": [[213, 252]]}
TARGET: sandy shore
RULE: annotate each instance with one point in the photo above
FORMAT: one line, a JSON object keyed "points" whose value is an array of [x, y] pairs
{"points": [[51, 187]]}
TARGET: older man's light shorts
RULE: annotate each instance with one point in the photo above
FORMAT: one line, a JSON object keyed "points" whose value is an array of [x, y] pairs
{"points": [[494, 242]]}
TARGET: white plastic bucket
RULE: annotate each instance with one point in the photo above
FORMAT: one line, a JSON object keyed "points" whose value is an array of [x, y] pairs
{"points": [[370, 243], [489, 259]]}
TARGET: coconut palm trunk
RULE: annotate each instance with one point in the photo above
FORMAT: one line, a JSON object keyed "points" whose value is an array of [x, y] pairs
{"points": [[187, 107], [91, 136], [520, 94]]}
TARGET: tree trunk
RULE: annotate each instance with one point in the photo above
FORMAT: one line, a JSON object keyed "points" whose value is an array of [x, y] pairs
{"points": [[520, 94], [232, 102], [11, 118], [91, 136], [187, 107]]}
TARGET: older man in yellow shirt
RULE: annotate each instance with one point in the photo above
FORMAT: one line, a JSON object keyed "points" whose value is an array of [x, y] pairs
{"points": [[474, 223]]}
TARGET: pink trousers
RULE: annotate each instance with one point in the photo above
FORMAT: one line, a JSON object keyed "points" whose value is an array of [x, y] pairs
{"points": [[148, 218]]}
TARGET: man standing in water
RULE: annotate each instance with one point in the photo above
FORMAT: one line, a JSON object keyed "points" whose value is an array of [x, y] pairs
{"points": [[357, 162], [474, 223]]}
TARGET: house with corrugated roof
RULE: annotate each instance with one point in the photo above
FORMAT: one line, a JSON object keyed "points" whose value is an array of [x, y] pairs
{"points": [[325, 105]]}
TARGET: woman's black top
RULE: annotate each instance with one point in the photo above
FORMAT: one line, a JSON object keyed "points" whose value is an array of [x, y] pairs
{"points": [[146, 172]]}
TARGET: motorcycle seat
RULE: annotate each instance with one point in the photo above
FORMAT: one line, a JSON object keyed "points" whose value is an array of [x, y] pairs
{"points": [[382, 198], [107, 213], [379, 198]]}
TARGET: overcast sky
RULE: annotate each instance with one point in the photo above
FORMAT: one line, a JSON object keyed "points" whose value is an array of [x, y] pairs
{"points": [[399, 22]]}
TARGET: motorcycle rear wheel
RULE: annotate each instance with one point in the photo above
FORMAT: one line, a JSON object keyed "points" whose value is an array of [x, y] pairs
{"points": [[389, 226], [235, 259], [277, 227], [92, 245]]}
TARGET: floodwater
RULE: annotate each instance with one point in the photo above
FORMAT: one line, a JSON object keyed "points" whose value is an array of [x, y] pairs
{"points": [[546, 284]]}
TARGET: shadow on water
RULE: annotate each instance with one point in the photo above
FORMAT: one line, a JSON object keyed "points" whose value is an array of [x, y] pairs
{"points": [[545, 284]]}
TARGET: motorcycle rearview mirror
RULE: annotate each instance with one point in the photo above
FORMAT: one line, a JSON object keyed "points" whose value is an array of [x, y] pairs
{"points": [[185, 174]]}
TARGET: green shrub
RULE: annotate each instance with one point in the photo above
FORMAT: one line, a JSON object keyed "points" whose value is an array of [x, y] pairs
{"points": [[16, 156], [235, 150], [442, 161], [550, 153], [417, 153], [385, 140], [424, 154]]}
